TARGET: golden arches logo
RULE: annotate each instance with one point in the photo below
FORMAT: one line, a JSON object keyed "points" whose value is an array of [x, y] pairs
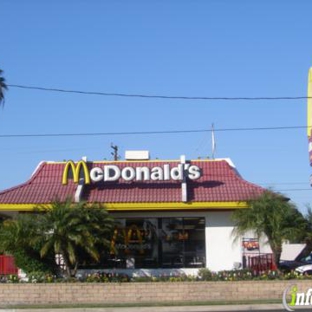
{"points": [[131, 235], [76, 168]]}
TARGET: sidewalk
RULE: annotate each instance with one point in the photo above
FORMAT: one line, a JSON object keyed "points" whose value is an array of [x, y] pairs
{"points": [[245, 307]]}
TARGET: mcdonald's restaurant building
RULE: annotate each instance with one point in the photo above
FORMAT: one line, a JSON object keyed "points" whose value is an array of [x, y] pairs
{"points": [[173, 214]]}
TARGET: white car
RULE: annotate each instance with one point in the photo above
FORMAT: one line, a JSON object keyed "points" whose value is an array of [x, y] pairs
{"points": [[304, 269]]}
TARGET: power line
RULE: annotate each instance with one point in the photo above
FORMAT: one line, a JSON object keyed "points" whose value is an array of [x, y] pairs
{"points": [[155, 96], [147, 132], [281, 183], [295, 190]]}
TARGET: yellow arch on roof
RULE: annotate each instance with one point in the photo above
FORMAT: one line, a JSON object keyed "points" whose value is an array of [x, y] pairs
{"points": [[75, 168]]}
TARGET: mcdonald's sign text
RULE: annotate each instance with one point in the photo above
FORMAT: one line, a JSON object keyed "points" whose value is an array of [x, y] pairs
{"points": [[113, 173]]}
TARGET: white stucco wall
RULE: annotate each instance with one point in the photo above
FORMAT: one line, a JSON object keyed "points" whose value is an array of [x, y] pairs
{"points": [[222, 251]]}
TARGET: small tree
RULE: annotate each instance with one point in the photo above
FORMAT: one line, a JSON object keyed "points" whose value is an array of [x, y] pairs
{"points": [[274, 216], [71, 229], [18, 237]]}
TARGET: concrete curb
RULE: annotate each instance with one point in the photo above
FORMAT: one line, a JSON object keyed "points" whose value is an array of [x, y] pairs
{"points": [[244, 307]]}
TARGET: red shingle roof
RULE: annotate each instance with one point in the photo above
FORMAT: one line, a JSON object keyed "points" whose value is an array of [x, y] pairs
{"points": [[219, 183]]}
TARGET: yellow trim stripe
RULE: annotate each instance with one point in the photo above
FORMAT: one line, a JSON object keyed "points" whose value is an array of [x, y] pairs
{"points": [[143, 206]]}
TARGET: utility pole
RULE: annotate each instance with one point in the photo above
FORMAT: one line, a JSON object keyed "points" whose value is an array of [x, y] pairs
{"points": [[115, 151], [213, 142]]}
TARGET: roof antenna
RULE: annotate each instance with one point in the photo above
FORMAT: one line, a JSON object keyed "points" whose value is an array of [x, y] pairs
{"points": [[213, 142]]}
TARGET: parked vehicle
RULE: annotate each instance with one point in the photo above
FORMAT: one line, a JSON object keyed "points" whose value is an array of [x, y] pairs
{"points": [[304, 269], [287, 266]]}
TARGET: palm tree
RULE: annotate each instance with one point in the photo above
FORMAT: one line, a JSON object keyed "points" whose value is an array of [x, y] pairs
{"points": [[307, 234], [71, 228], [274, 216], [3, 86]]}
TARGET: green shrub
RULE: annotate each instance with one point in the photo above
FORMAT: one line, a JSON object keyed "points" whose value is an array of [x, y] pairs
{"points": [[33, 263], [101, 277], [226, 275], [205, 274], [40, 277], [12, 278]]}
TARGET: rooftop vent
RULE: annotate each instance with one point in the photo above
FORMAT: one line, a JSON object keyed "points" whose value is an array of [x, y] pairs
{"points": [[137, 155]]}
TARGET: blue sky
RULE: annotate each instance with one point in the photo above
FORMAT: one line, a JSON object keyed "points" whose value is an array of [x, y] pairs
{"points": [[209, 48]]}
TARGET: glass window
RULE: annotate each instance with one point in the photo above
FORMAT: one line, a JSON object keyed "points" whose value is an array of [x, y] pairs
{"points": [[183, 242], [158, 243], [172, 242], [194, 244], [135, 243]]}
